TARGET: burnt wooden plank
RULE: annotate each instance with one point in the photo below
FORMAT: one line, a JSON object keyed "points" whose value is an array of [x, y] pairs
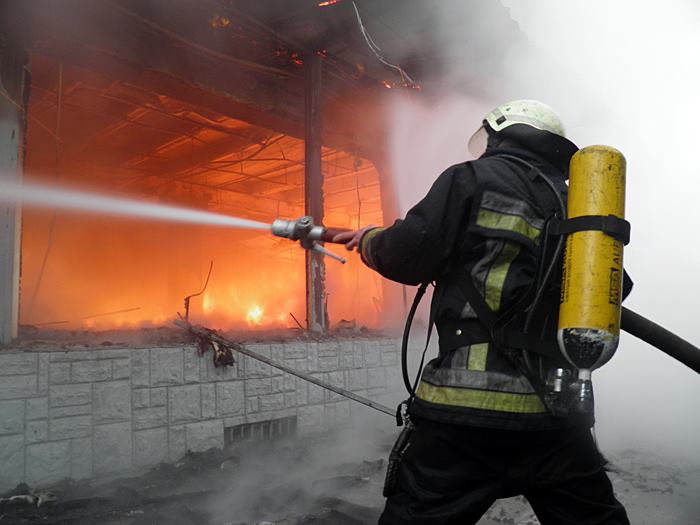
{"points": [[316, 308]]}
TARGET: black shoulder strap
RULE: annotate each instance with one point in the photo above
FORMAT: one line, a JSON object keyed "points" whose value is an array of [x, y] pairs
{"points": [[489, 319], [558, 203], [614, 226], [610, 224], [547, 200], [478, 303]]}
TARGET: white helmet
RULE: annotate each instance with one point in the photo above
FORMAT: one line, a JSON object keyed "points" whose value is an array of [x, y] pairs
{"points": [[532, 113]]}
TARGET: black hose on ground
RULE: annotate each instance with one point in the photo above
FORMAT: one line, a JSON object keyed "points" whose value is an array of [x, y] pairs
{"points": [[658, 337]]}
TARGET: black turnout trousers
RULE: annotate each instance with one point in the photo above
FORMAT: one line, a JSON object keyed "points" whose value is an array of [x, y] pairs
{"points": [[451, 474]]}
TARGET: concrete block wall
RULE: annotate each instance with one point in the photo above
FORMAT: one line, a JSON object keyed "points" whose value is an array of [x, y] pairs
{"points": [[81, 414]]}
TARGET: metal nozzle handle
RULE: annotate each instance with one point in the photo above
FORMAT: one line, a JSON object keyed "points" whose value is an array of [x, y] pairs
{"points": [[320, 249], [308, 234]]}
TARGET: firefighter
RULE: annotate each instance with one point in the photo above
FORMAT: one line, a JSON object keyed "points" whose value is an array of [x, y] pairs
{"points": [[482, 431]]}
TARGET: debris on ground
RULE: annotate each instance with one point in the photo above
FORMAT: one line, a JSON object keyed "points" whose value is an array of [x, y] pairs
{"points": [[22, 494]]}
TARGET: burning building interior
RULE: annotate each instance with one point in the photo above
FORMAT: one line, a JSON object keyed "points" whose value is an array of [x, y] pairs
{"points": [[255, 111], [242, 109], [115, 135]]}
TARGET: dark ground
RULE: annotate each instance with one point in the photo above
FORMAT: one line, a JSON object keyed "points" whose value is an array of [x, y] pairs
{"points": [[238, 486], [336, 479]]}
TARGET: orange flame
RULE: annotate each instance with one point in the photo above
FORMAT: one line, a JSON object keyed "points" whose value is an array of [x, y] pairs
{"points": [[99, 272]]}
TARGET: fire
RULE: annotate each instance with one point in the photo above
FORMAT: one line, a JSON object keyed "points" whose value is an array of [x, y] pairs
{"points": [[254, 316], [103, 273], [296, 58], [97, 272], [218, 21], [327, 3], [207, 304]]}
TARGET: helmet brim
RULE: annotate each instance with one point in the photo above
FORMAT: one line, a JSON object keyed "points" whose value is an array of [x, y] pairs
{"points": [[478, 142]]}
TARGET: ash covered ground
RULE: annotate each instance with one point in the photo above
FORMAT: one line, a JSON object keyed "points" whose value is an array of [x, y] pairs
{"points": [[332, 479]]}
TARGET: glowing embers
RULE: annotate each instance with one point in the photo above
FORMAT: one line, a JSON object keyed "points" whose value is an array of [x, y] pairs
{"points": [[402, 84], [219, 21]]}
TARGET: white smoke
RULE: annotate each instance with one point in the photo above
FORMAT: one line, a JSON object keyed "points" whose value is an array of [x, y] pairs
{"points": [[623, 74]]}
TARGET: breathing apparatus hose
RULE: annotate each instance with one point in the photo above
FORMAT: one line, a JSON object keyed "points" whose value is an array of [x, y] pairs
{"points": [[411, 388], [658, 337]]}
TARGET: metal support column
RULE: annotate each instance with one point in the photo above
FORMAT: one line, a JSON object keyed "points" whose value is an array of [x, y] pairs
{"points": [[316, 309], [14, 91]]}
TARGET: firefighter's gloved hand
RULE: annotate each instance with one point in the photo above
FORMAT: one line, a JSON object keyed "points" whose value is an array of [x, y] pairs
{"points": [[351, 239]]}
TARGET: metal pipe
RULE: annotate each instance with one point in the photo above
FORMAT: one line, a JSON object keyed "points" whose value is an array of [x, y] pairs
{"points": [[200, 331]]}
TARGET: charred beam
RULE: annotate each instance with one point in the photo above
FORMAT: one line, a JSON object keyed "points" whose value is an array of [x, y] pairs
{"points": [[190, 156], [316, 308], [14, 96]]}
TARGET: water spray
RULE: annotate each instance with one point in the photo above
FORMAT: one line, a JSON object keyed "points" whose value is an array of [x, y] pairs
{"points": [[55, 198], [304, 230]]}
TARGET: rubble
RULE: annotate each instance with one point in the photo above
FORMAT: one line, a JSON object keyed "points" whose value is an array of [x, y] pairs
{"points": [[46, 339], [23, 494]]}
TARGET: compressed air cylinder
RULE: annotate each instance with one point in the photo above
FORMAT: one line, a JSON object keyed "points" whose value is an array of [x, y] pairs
{"points": [[589, 315]]}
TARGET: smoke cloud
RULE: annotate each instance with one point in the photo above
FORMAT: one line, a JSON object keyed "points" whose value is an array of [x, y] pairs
{"points": [[622, 74], [276, 481]]}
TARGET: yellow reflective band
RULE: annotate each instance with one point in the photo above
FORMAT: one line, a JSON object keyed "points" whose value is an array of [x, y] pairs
{"points": [[481, 399], [364, 243], [497, 275], [512, 223], [477, 357]]}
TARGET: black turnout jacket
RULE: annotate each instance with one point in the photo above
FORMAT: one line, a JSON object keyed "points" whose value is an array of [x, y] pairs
{"points": [[481, 220]]}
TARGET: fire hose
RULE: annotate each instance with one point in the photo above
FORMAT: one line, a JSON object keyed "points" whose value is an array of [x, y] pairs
{"points": [[310, 236], [632, 323], [660, 338]]}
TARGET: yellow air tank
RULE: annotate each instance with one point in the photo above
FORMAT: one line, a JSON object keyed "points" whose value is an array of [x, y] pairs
{"points": [[589, 315]]}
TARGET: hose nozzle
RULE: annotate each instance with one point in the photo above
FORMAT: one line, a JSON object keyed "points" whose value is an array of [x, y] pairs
{"points": [[309, 235]]}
